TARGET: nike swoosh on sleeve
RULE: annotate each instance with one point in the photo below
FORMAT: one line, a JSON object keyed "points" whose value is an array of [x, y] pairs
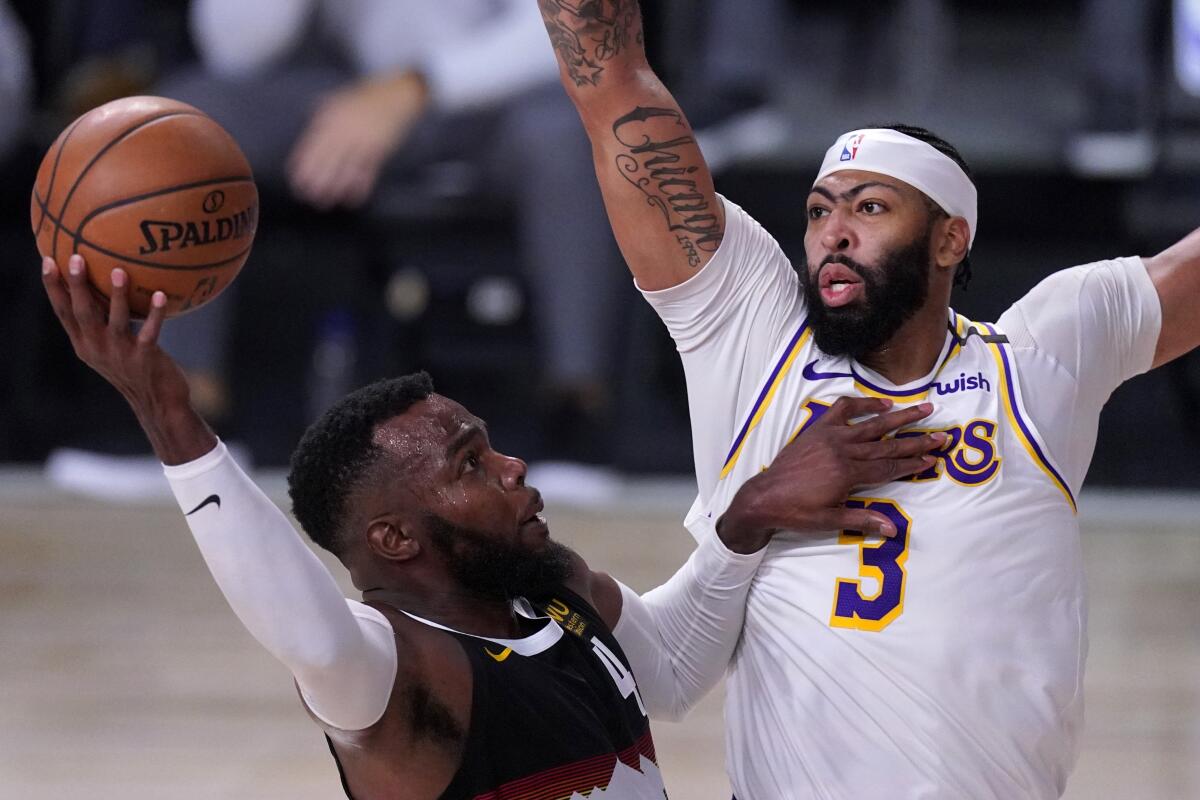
{"points": [[212, 498]]}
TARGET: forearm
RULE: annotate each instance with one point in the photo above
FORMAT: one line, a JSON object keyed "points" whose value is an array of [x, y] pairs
{"points": [[680, 636], [343, 661]]}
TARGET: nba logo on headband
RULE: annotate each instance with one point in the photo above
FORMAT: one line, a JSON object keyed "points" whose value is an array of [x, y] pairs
{"points": [[850, 149]]}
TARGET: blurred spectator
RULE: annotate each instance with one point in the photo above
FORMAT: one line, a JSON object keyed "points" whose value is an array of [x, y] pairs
{"points": [[15, 93], [43, 400], [1186, 23], [334, 99], [16, 80], [1121, 63], [88, 52]]}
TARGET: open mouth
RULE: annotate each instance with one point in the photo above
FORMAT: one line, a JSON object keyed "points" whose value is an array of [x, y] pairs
{"points": [[839, 285], [533, 514]]}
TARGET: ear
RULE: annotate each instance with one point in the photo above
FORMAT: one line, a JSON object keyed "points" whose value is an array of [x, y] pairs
{"points": [[388, 537], [952, 240]]}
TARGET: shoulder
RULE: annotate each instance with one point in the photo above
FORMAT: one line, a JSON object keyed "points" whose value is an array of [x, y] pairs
{"points": [[1077, 300], [598, 592], [421, 650], [1098, 323]]}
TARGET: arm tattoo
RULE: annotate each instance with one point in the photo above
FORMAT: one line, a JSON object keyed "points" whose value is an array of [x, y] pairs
{"points": [[587, 34], [651, 162]]}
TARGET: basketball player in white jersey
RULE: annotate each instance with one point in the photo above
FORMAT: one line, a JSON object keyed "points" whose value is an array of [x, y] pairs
{"points": [[945, 661]]}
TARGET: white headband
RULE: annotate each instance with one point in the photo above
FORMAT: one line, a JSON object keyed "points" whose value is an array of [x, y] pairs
{"points": [[916, 163]]}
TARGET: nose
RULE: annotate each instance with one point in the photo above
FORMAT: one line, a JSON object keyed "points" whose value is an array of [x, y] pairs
{"points": [[837, 235], [512, 472]]}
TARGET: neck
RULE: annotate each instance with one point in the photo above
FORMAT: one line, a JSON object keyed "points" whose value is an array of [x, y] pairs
{"points": [[455, 608], [913, 351]]}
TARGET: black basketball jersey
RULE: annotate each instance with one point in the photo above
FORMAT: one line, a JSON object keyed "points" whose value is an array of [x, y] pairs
{"points": [[555, 715]]}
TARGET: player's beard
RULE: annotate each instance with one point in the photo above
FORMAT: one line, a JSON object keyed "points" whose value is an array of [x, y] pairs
{"points": [[892, 292], [494, 569]]}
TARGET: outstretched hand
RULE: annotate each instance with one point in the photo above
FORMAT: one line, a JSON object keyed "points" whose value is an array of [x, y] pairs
{"points": [[807, 484], [145, 375]]}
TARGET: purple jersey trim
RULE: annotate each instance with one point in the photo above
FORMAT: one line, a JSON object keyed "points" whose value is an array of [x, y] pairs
{"points": [[762, 395], [1016, 409]]}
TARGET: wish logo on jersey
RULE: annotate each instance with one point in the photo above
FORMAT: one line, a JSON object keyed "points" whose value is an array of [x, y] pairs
{"points": [[963, 383]]}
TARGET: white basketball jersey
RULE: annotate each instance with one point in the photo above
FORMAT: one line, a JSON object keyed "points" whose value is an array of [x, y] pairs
{"points": [[945, 662]]}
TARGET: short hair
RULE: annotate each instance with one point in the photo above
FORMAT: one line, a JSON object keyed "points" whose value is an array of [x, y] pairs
{"points": [[338, 451], [962, 274]]}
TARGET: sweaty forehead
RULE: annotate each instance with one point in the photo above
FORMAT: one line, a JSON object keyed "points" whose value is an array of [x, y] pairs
{"points": [[420, 435]]}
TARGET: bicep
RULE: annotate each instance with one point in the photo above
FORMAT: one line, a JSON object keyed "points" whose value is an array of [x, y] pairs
{"points": [[352, 689], [1175, 274], [657, 188]]}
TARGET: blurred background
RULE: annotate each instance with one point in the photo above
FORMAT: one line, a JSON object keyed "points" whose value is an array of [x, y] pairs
{"points": [[475, 245], [461, 232]]}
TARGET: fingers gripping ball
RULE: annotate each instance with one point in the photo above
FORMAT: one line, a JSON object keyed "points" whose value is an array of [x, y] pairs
{"points": [[153, 186]]}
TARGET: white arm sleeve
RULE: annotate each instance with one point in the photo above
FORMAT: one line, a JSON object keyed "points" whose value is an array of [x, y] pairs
{"points": [[680, 636], [727, 321], [341, 653], [236, 38], [1078, 335]]}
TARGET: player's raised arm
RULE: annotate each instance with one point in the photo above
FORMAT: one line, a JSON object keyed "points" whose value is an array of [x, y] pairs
{"points": [[343, 659], [657, 189]]}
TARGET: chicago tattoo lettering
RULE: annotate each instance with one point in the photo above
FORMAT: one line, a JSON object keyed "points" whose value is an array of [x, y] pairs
{"points": [[654, 166]]}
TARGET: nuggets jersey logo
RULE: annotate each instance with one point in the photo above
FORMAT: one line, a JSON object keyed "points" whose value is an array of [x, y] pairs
{"points": [[962, 635]]}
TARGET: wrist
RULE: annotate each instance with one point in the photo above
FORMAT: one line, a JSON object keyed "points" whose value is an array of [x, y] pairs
{"points": [[409, 88], [741, 528], [177, 433], [419, 85]]}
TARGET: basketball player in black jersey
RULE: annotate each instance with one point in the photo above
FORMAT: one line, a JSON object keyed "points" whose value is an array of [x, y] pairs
{"points": [[482, 662]]}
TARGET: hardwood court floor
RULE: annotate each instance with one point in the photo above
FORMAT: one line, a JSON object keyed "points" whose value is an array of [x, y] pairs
{"points": [[124, 675]]}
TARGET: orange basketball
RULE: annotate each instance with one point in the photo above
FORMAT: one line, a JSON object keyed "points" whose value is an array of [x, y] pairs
{"points": [[155, 187]]}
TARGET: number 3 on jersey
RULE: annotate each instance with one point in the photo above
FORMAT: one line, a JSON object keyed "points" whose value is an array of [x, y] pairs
{"points": [[881, 561]]}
